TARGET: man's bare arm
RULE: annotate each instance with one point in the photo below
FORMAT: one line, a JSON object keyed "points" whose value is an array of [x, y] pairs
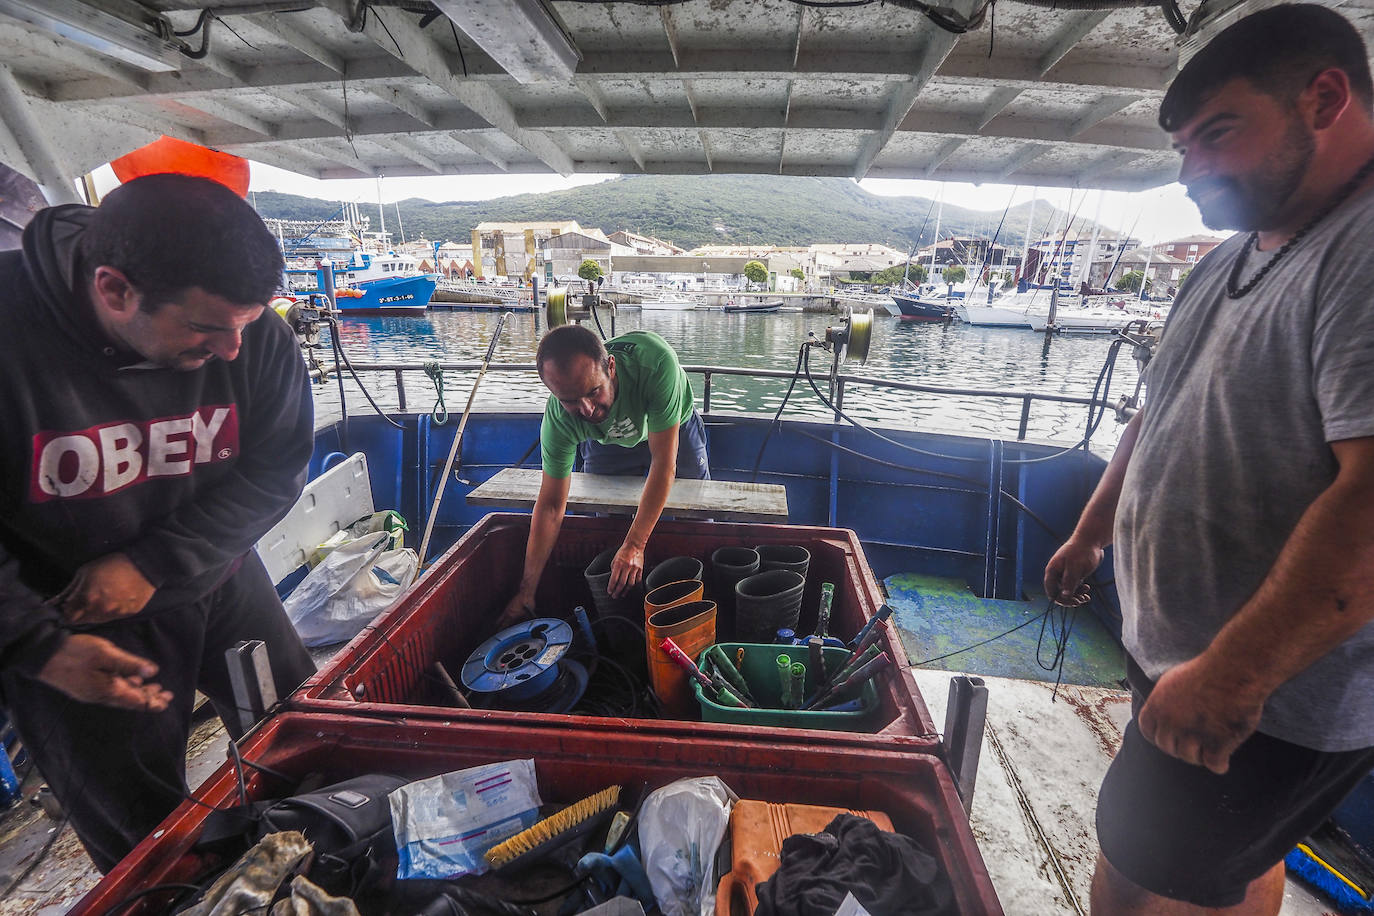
{"points": [[1082, 552], [1318, 594], [628, 566], [549, 507]]}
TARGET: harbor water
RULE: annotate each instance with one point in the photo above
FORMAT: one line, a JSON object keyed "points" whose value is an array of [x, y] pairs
{"points": [[944, 355]]}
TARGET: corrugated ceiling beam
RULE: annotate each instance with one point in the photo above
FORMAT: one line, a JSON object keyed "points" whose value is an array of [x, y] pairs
{"points": [[481, 147], [632, 147], [947, 149], [520, 35], [224, 112], [665, 16], [1099, 111], [589, 89], [996, 104], [310, 105], [292, 159], [1024, 157], [408, 43], [43, 163], [1109, 162], [403, 101], [976, 69], [306, 129], [668, 117], [937, 46], [839, 170], [339, 152], [286, 28], [826, 119], [1069, 75], [409, 152], [1077, 28], [199, 81]]}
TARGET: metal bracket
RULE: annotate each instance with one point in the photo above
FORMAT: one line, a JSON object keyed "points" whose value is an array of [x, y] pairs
{"points": [[250, 675], [966, 716]]}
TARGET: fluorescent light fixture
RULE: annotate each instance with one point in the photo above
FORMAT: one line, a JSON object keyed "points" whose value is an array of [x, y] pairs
{"points": [[520, 35], [127, 40]]}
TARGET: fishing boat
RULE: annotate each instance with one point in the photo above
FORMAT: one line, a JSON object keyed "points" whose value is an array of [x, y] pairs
{"points": [[955, 527], [752, 307], [915, 307], [371, 284]]}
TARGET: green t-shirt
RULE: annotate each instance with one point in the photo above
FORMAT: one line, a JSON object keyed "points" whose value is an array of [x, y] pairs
{"points": [[654, 395]]}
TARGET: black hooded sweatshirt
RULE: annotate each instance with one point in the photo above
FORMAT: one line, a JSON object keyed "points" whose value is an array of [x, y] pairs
{"points": [[101, 452]]}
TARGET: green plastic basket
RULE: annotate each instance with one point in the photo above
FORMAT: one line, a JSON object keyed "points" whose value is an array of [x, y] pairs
{"points": [[760, 670]]}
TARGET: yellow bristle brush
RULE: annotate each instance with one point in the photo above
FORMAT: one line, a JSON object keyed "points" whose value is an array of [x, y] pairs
{"points": [[535, 842]]}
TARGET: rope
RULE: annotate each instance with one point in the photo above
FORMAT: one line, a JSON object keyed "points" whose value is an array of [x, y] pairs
{"points": [[436, 375]]}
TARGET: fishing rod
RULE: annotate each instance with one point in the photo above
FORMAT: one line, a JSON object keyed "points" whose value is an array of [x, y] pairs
{"points": [[458, 438]]}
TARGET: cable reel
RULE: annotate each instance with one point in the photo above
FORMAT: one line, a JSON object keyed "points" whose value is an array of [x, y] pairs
{"points": [[849, 340], [306, 318], [565, 305], [526, 668]]}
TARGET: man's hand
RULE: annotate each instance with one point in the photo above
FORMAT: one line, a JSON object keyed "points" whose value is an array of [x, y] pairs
{"points": [[1066, 570], [104, 589], [1200, 717], [519, 608], [627, 569], [95, 670]]}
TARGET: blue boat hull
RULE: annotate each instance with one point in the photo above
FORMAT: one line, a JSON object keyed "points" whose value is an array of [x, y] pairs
{"points": [[390, 296], [914, 309]]}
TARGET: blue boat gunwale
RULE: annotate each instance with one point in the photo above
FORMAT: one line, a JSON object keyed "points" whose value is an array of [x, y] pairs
{"points": [[960, 528]]}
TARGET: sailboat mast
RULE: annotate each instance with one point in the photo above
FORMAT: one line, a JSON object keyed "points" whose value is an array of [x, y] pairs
{"points": [[381, 211], [1030, 227], [935, 246]]}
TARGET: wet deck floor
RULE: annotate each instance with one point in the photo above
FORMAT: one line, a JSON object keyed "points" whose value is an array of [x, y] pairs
{"points": [[1032, 814]]}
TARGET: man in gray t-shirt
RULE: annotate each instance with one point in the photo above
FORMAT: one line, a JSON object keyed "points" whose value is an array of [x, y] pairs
{"points": [[1241, 498]]}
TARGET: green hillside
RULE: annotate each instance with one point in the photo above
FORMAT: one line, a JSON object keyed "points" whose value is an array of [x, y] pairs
{"points": [[700, 210]]}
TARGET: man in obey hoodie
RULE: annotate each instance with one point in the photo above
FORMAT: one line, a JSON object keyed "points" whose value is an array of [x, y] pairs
{"points": [[157, 421]]}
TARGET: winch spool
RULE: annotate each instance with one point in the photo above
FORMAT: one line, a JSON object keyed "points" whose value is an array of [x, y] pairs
{"points": [[565, 305], [525, 667]]}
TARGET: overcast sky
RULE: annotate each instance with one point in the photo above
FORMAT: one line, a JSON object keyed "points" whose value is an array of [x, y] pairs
{"points": [[1151, 216]]}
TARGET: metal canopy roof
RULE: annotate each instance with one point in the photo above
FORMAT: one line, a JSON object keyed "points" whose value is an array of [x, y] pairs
{"points": [[333, 89]]}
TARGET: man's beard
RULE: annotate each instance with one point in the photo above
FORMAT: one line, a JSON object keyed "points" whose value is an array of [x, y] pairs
{"points": [[1255, 202]]}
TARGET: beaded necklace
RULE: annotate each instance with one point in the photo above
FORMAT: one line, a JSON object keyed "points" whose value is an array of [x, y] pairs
{"points": [[1235, 291]]}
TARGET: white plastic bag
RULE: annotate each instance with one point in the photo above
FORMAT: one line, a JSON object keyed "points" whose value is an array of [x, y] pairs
{"points": [[351, 586], [680, 828], [444, 824]]}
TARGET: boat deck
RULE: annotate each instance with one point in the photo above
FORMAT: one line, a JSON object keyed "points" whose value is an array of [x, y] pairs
{"points": [[1041, 764]]}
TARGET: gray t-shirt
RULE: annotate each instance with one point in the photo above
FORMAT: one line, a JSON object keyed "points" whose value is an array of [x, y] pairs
{"points": [[1244, 397]]}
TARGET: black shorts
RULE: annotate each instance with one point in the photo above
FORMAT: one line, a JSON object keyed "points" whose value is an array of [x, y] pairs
{"points": [[1183, 832]]}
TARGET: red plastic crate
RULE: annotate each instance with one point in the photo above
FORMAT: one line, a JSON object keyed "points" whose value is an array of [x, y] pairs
{"points": [[914, 789], [453, 609]]}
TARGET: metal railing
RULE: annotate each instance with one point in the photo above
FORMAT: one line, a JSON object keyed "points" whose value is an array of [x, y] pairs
{"points": [[1027, 398]]}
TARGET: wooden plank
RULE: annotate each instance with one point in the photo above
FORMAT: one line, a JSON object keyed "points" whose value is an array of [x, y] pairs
{"points": [[723, 500]]}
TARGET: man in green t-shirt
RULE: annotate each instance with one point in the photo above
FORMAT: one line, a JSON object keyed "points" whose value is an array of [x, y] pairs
{"points": [[626, 407]]}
